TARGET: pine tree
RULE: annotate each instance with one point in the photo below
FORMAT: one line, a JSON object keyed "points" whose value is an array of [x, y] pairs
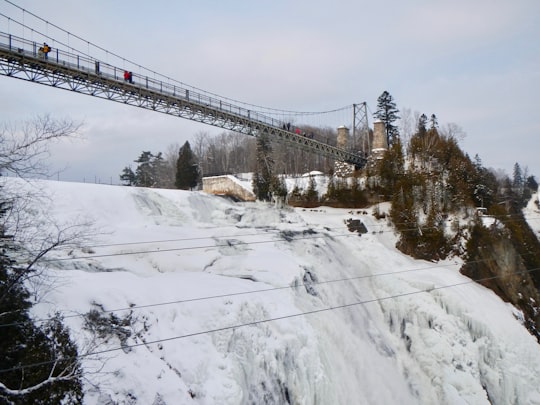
{"points": [[144, 174], [128, 177], [263, 179], [311, 196], [532, 184], [483, 184], [517, 183], [387, 112], [434, 124], [391, 167], [422, 125], [187, 170]]}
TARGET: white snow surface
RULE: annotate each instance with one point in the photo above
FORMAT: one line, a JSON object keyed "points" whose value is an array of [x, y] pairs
{"points": [[244, 303], [532, 213]]}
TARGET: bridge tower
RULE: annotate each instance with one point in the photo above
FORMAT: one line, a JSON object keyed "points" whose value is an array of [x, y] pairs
{"points": [[361, 140], [343, 169], [379, 145]]}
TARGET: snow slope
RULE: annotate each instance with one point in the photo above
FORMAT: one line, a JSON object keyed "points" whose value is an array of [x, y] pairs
{"points": [[243, 303]]}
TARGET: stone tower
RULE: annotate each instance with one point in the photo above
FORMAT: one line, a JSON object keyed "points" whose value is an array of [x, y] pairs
{"points": [[342, 137], [341, 168], [379, 146], [379, 136]]}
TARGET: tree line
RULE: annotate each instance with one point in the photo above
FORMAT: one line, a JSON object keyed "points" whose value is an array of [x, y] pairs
{"points": [[227, 153]]}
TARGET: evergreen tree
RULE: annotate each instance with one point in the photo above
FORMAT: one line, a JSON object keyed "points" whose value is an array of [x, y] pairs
{"points": [[532, 184], [387, 112], [391, 167], [187, 170], [477, 162], [144, 174], [417, 147], [311, 196], [280, 187], [128, 177], [483, 184], [53, 372], [517, 183], [263, 178], [434, 124], [422, 125], [151, 171]]}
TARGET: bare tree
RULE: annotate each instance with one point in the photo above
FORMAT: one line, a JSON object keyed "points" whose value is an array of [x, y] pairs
{"points": [[453, 131], [407, 125], [170, 158], [25, 147], [200, 149]]}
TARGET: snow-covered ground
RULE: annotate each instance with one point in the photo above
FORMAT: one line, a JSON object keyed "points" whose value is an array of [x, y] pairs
{"points": [[244, 303], [532, 213]]}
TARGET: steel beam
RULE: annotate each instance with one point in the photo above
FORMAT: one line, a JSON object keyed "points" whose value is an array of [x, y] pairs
{"points": [[86, 76]]}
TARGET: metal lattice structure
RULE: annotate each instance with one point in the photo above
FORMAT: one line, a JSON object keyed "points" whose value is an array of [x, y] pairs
{"points": [[361, 138], [23, 59]]}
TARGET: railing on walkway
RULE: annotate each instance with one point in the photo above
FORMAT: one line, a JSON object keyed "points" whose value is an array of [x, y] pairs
{"points": [[171, 98], [86, 64]]}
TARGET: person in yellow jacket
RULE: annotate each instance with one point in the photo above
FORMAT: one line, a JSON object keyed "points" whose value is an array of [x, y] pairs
{"points": [[45, 49]]}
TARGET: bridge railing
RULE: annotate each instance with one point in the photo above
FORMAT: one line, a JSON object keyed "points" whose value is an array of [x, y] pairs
{"points": [[94, 67]]}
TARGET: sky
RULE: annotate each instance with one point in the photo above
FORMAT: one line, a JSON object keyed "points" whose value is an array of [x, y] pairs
{"points": [[234, 303], [474, 64]]}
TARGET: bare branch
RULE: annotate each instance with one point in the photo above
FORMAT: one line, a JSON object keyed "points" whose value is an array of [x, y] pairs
{"points": [[26, 146], [68, 376]]}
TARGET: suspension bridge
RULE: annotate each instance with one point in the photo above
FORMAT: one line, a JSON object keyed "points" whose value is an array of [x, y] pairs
{"points": [[64, 67]]}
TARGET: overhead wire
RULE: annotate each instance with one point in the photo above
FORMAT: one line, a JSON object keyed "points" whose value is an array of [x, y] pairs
{"points": [[186, 300], [258, 322], [227, 244], [233, 294]]}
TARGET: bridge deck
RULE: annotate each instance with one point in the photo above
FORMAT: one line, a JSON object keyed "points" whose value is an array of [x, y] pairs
{"points": [[22, 59]]}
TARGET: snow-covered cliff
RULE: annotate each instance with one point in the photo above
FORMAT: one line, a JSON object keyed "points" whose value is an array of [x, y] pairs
{"points": [[210, 301]]}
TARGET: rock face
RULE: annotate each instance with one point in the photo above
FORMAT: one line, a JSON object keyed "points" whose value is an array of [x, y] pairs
{"points": [[497, 265]]}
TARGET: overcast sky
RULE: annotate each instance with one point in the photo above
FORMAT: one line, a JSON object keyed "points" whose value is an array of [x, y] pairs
{"points": [[475, 63]]}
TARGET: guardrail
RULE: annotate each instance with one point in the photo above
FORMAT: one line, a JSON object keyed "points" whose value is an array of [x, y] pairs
{"points": [[88, 65]]}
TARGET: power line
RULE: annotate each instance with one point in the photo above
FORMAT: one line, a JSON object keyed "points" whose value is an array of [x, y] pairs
{"points": [[268, 230], [228, 244], [254, 323], [204, 298]]}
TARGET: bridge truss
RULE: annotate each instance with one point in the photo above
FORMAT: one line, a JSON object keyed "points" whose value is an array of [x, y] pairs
{"points": [[22, 59]]}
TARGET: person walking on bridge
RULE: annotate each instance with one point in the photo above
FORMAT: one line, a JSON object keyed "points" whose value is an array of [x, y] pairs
{"points": [[46, 50]]}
